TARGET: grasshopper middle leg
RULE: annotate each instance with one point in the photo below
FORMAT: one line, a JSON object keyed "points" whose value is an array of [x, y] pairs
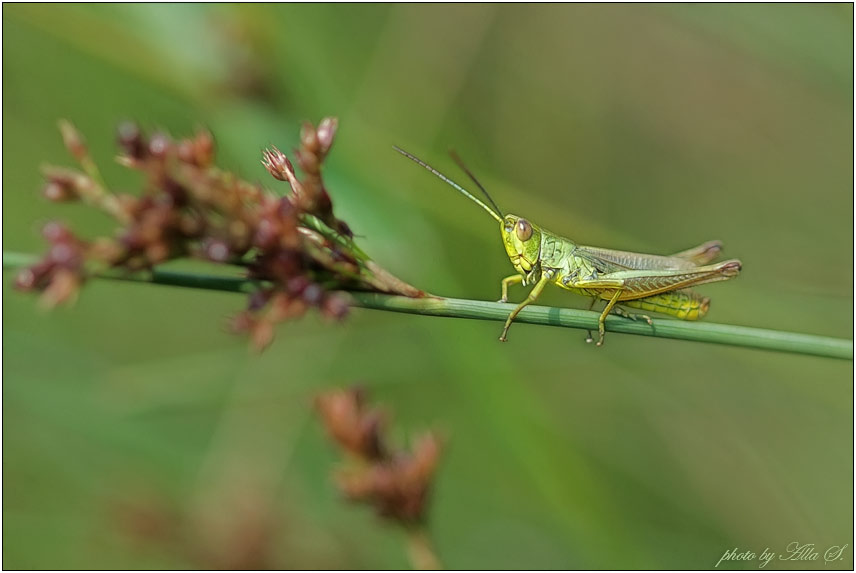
{"points": [[620, 312], [589, 336]]}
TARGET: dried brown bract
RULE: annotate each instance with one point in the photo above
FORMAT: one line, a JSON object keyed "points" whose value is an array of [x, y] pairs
{"points": [[295, 248], [396, 482], [356, 428]]}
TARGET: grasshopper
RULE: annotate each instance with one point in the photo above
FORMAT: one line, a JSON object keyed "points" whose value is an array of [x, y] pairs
{"points": [[637, 280]]}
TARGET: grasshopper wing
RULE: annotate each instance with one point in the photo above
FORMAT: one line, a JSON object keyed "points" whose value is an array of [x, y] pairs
{"points": [[689, 259]]}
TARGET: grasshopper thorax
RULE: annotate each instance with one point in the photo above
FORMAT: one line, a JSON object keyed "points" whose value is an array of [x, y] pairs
{"points": [[522, 242]]}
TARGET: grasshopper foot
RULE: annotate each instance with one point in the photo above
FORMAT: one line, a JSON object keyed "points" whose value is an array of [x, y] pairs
{"points": [[623, 313], [601, 332], [644, 317]]}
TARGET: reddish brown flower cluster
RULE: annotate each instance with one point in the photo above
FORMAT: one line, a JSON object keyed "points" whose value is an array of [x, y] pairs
{"points": [[294, 246], [395, 482]]}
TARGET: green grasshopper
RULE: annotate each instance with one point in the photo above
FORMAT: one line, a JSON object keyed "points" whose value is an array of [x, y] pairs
{"points": [[649, 282]]}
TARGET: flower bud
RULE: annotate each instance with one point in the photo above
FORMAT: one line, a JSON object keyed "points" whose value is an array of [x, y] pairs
{"points": [[326, 132], [131, 140], [55, 232], [277, 164], [309, 138], [159, 145], [312, 294], [57, 192], [73, 140], [217, 250], [335, 306], [203, 146]]}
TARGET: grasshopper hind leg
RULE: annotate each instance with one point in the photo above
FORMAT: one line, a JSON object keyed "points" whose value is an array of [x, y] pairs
{"points": [[601, 328]]}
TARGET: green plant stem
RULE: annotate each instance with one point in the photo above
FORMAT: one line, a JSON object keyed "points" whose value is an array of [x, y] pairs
{"points": [[421, 551], [728, 334]]}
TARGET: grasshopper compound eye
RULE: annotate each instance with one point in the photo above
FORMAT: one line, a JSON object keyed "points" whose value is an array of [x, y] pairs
{"points": [[523, 230]]}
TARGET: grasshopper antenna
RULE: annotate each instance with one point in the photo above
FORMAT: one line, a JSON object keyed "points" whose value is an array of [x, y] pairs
{"points": [[479, 202], [457, 159]]}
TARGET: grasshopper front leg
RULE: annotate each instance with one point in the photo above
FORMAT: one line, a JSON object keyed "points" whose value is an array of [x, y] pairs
{"points": [[508, 281], [533, 294]]}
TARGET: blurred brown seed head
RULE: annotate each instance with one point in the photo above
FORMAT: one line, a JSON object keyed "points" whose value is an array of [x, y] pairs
{"points": [[396, 482], [398, 487], [351, 424], [197, 150]]}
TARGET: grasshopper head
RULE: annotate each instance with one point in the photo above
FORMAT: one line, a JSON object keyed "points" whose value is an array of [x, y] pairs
{"points": [[522, 242]]}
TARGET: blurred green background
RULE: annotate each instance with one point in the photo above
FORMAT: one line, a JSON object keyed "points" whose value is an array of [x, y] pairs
{"points": [[139, 433]]}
